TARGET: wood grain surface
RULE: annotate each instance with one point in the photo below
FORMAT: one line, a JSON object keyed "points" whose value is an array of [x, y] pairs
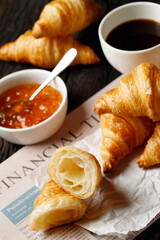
{"points": [[17, 16]]}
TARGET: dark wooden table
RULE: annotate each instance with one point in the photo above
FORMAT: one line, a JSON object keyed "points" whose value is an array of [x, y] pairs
{"points": [[17, 16]]}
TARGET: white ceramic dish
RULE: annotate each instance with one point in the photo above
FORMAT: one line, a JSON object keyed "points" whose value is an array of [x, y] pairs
{"points": [[45, 129], [126, 61]]}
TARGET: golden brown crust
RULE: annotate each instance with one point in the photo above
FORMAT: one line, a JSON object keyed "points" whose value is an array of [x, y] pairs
{"points": [[49, 191], [151, 154], [137, 94], [63, 17], [75, 170], [120, 136], [54, 207], [45, 52]]}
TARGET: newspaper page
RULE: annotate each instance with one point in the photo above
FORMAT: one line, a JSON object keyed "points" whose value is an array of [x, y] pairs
{"points": [[15, 211], [24, 173], [77, 125]]}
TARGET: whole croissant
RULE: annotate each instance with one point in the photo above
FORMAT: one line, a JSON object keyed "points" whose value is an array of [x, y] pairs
{"points": [[62, 17], [45, 52], [55, 207], [120, 136], [151, 154], [137, 94]]}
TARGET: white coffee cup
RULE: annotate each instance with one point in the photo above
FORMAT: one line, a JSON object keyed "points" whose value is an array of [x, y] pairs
{"points": [[122, 60]]}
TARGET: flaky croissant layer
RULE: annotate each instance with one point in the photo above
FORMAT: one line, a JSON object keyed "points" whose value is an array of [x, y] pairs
{"points": [[63, 17], [45, 52], [77, 171], [120, 136], [151, 154], [137, 94], [55, 207]]}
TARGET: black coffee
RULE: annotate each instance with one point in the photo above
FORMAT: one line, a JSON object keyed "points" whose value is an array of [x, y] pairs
{"points": [[135, 35]]}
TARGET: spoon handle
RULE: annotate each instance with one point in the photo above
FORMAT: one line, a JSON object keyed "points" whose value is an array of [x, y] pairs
{"points": [[63, 63]]}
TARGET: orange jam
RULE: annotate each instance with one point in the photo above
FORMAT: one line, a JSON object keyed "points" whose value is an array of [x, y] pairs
{"points": [[20, 114]]}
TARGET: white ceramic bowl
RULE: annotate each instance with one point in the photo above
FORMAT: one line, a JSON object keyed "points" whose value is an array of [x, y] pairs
{"points": [[45, 129], [126, 61]]}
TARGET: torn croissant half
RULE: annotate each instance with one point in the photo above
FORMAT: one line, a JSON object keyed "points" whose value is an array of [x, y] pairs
{"points": [[55, 207], [120, 136], [63, 17], [137, 94], [45, 52], [151, 154], [75, 170]]}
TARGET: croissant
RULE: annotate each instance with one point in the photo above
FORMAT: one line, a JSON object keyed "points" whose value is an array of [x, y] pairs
{"points": [[55, 207], [75, 170], [120, 136], [45, 52], [137, 94], [63, 17], [151, 154]]}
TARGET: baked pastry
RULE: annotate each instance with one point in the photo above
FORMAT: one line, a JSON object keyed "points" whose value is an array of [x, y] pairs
{"points": [[75, 170], [120, 136], [55, 207], [151, 154], [63, 17], [137, 94], [45, 52]]}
